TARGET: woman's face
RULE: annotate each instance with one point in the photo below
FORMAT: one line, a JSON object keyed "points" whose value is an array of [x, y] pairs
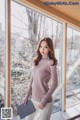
{"points": [[44, 50]]}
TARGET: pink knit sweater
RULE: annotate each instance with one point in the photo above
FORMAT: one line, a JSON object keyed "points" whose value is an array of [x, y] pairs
{"points": [[41, 75]]}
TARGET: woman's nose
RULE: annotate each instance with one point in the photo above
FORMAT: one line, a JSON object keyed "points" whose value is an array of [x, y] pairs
{"points": [[42, 49]]}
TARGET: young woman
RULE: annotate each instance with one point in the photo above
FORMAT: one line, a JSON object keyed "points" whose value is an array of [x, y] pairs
{"points": [[41, 90]]}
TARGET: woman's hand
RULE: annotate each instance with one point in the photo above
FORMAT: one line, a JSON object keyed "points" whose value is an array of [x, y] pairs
{"points": [[40, 105], [25, 101]]}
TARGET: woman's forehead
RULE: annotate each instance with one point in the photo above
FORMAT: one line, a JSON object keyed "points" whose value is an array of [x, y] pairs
{"points": [[43, 43]]}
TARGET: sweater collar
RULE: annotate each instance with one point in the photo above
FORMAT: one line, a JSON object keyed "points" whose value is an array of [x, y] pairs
{"points": [[45, 57]]}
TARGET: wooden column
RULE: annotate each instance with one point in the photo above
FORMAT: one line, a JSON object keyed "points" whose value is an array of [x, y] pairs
{"points": [[64, 59]]}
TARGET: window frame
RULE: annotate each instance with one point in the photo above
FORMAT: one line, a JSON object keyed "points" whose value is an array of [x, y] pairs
{"points": [[8, 50]]}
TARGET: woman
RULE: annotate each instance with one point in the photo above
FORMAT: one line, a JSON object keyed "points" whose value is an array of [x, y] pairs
{"points": [[44, 71]]}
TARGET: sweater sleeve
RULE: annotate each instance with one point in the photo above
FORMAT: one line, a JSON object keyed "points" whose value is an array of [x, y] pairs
{"points": [[54, 83], [29, 91]]}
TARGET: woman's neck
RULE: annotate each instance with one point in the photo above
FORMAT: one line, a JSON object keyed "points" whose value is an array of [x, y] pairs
{"points": [[45, 57]]}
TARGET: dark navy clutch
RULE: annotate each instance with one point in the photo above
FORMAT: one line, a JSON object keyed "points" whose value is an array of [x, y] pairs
{"points": [[25, 110]]}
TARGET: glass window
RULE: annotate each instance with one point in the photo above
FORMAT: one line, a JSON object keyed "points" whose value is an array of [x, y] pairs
{"points": [[2, 52], [73, 67], [27, 28]]}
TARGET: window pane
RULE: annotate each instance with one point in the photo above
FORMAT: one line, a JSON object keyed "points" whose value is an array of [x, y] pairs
{"points": [[27, 28], [2, 52], [73, 67]]}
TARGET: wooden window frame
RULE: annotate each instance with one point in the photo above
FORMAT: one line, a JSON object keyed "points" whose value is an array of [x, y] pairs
{"points": [[8, 48]]}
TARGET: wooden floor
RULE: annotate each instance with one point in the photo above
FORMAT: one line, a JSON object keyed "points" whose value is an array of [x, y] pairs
{"points": [[55, 116], [61, 116], [72, 113]]}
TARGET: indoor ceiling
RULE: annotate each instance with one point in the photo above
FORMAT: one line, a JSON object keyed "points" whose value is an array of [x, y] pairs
{"points": [[68, 13], [72, 11]]}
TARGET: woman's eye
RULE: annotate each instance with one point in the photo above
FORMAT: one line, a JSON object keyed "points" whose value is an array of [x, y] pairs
{"points": [[46, 47]]}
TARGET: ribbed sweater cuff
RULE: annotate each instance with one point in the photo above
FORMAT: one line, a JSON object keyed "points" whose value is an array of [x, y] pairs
{"points": [[44, 102]]}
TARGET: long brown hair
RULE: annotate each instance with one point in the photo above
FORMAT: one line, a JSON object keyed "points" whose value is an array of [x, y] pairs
{"points": [[51, 53]]}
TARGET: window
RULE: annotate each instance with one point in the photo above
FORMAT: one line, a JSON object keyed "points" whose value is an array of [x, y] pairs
{"points": [[73, 67], [27, 28], [2, 53]]}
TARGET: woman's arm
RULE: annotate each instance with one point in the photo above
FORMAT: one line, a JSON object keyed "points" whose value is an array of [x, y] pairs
{"points": [[29, 91], [53, 86]]}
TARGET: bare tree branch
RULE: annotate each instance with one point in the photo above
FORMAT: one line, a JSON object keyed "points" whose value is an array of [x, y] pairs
{"points": [[19, 27], [20, 20]]}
